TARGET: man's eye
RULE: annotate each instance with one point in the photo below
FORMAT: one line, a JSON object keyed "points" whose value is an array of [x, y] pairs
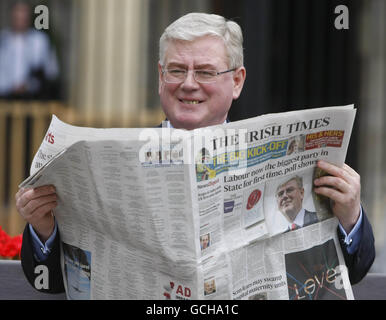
{"points": [[176, 71], [206, 73]]}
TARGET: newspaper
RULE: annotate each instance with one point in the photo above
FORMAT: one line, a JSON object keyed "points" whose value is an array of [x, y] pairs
{"points": [[162, 213]]}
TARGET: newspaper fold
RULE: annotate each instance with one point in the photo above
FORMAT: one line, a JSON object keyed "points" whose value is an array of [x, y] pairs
{"points": [[161, 213]]}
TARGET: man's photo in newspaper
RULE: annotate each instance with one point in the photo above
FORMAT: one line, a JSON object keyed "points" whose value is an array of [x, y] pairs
{"points": [[148, 157], [77, 268], [176, 155], [296, 144], [205, 241], [289, 203], [312, 274], [209, 286]]}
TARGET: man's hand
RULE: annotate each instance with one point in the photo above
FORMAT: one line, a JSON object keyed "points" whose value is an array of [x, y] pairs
{"points": [[344, 190], [35, 206]]}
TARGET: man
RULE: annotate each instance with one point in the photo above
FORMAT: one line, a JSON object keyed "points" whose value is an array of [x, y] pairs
{"points": [[289, 197], [205, 241], [209, 287], [200, 73], [292, 147]]}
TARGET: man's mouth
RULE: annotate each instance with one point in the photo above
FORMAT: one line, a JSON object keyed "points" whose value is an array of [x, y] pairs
{"points": [[190, 101], [286, 203]]}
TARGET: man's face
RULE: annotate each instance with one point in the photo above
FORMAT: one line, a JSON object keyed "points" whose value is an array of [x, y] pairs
{"points": [[290, 199], [191, 104], [20, 17], [204, 241], [209, 286]]}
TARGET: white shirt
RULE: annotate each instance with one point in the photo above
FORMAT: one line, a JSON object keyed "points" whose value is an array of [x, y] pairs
{"points": [[299, 220], [21, 53]]}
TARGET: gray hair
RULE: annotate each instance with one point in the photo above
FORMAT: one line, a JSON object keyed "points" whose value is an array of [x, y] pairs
{"points": [[298, 179], [195, 25]]}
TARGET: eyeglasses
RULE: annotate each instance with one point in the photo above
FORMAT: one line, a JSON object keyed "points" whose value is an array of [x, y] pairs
{"points": [[201, 76], [288, 190]]}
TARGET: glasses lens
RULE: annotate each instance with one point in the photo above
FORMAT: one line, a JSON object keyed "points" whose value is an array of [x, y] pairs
{"points": [[205, 76], [175, 75]]}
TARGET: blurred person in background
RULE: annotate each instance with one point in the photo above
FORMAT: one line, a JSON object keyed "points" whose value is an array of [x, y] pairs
{"points": [[28, 63]]}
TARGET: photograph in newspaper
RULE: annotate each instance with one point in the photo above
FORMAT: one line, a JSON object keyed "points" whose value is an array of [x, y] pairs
{"points": [[77, 269], [205, 241], [209, 286], [291, 204], [245, 209], [215, 277], [313, 274], [302, 264], [253, 209], [204, 166], [296, 144]]}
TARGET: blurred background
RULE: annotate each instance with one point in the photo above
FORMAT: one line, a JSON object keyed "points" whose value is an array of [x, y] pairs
{"points": [[96, 65]]}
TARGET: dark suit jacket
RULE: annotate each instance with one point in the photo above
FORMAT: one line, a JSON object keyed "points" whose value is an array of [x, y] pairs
{"points": [[309, 218], [29, 263], [359, 263]]}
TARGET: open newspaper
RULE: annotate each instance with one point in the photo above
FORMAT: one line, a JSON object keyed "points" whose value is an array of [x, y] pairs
{"points": [[161, 213]]}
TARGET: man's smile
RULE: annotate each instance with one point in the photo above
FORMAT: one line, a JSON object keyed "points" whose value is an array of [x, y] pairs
{"points": [[190, 101], [286, 203]]}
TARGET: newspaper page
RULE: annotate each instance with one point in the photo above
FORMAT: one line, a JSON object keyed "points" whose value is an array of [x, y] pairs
{"points": [[264, 159], [125, 220], [174, 214]]}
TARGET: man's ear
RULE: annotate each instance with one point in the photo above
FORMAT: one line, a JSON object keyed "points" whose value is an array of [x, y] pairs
{"points": [[159, 77], [238, 81], [302, 192]]}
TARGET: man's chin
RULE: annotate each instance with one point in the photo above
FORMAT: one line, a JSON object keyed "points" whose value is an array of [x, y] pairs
{"points": [[290, 214], [187, 122]]}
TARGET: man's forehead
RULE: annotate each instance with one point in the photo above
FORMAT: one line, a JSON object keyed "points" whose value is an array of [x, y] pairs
{"points": [[291, 182], [201, 53]]}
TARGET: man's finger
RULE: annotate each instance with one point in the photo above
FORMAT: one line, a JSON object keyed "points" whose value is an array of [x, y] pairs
{"points": [[334, 182], [32, 205], [20, 192], [32, 194], [334, 170], [44, 209], [351, 171], [39, 211], [334, 195]]}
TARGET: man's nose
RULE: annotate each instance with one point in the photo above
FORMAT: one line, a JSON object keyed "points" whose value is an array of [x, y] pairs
{"points": [[190, 82]]}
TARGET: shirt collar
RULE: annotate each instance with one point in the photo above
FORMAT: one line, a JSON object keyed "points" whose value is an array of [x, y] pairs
{"points": [[299, 220]]}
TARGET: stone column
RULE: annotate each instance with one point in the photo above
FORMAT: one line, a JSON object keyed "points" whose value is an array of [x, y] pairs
{"points": [[109, 65]]}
